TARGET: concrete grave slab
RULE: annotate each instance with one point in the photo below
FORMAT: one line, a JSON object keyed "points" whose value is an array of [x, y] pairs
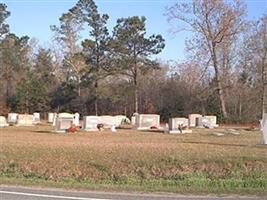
{"points": [[91, 122], [25, 120], [12, 118], [147, 121], [192, 119], [3, 122]]}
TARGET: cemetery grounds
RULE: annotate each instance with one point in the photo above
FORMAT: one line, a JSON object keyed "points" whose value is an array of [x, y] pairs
{"points": [[207, 161]]}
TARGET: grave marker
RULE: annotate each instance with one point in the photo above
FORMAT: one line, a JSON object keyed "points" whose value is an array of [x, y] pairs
{"points": [[192, 119], [12, 118], [178, 125], [3, 122], [91, 122], [147, 121], [25, 120]]}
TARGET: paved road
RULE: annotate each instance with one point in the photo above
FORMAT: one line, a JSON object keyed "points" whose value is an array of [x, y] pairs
{"points": [[21, 193]]}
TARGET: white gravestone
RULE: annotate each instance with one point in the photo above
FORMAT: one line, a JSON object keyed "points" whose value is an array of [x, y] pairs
{"points": [[91, 122], [25, 120], [36, 118], [12, 118], [133, 120], [51, 117], [264, 128], [3, 122], [179, 125], [109, 121], [76, 119], [212, 119], [63, 123], [192, 119], [147, 121], [55, 115]]}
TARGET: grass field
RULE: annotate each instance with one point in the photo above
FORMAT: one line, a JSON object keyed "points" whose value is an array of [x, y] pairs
{"points": [[196, 163]]}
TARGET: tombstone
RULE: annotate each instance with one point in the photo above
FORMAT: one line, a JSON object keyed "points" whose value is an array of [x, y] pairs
{"points": [[108, 121], [147, 121], [121, 119], [212, 119], [12, 118], [3, 122], [203, 122], [55, 115], [90, 123], [264, 128], [25, 120], [36, 118], [63, 123], [133, 119], [192, 119], [76, 119], [179, 125], [51, 117]]}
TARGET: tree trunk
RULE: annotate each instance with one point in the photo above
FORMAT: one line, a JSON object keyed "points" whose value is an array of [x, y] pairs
{"points": [[264, 95], [96, 98], [136, 96], [218, 81]]}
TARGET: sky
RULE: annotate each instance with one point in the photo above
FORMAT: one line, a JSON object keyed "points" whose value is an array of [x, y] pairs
{"points": [[34, 17]]}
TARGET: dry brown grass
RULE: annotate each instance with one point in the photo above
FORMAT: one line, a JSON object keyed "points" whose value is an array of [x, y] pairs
{"points": [[38, 152]]}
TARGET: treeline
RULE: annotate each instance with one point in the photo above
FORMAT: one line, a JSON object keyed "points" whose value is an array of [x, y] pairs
{"points": [[114, 71]]}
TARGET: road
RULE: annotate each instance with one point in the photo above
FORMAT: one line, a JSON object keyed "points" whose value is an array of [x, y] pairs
{"points": [[22, 193]]}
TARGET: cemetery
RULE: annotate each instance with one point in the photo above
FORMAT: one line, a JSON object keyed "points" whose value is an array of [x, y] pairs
{"points": [[191, 153]]}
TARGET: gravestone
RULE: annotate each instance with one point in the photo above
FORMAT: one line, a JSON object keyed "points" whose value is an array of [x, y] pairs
{"points": [[3, 122], [36, 118], [90, 123], [121, 119], [179, 125], [192, 119], [212, 120], [63, 123], [133, 119], [108, 121], [51, 117], [12, 118], [147, 121], [203, 122], [25, 120], [76, 119], [264, 128]]}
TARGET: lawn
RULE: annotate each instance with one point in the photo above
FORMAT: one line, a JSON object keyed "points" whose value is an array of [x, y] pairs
{"points": [[197, 163]]}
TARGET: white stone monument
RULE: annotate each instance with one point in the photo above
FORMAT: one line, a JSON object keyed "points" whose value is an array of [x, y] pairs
{"points": [[90, 123], [192, 119], [36, 118], [212, 120], [12, 118], [63, 123], [3, 122], [179, 125], [51, 117], [147, 121], [76, 119], [25, 120]]}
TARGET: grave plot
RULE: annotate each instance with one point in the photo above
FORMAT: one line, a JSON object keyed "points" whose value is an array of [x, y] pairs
{"points": [[3, 122], [179, 125], [147, 121]]}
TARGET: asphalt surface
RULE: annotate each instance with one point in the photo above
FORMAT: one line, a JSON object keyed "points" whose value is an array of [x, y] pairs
{"points": [[21, 193]]}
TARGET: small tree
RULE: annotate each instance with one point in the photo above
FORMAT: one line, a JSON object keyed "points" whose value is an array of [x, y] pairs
{"points": [[133, 50]]}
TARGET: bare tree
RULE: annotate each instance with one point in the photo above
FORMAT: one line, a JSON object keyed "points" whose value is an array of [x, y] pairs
{"points": [[215, 23]]}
